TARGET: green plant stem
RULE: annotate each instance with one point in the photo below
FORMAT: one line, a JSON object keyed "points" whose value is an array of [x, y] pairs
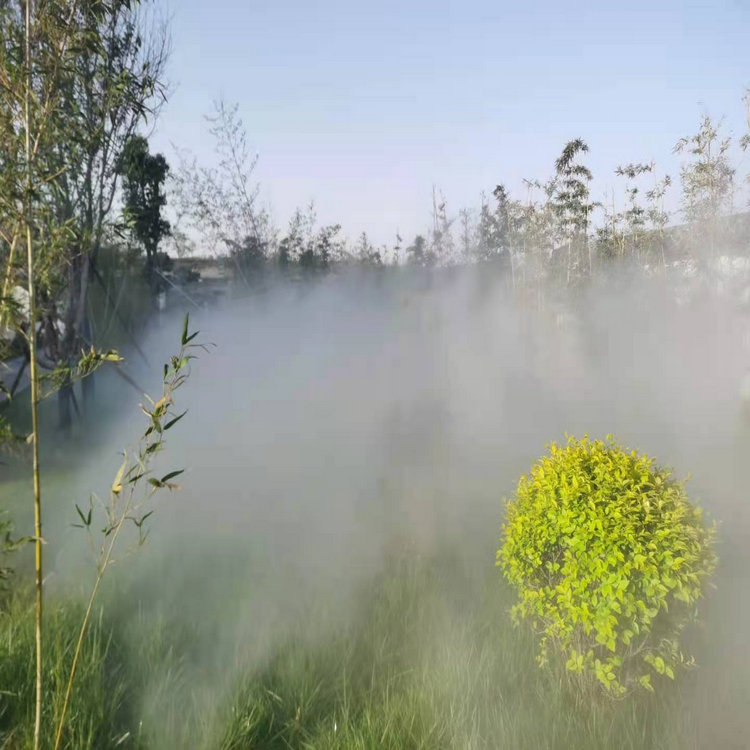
{"points": [[34, 378], [87, 616]]}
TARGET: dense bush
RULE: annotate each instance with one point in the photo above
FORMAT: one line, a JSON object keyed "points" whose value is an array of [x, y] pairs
{"points": [[609, 558]]}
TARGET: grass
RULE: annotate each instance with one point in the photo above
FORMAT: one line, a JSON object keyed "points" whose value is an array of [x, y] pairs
{"points": [[97, 707], [428, 659], [417, 670]]}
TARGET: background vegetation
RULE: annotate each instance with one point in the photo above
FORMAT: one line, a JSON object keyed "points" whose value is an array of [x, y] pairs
{"points": [[421, 652]]}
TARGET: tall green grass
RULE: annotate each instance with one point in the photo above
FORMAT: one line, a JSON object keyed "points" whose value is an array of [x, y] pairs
{"points": [[431, 661], [99, 706], [426, 657]]}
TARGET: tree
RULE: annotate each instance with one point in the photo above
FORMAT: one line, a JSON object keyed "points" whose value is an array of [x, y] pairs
{"points": [[115, 84], [572, 207], [143, 179], [417, 253], [219, 204], [248, 257], [323, 248], [442, 247], [504, 227], [538, 225], [73, 77], [486, 241], [634, 216], [38, 49], [397, 249], [298, 237], [366, 253], [707, 182], [658, 217], [467, 233]]}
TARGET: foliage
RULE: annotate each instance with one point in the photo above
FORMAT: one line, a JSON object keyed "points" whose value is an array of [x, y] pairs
{"points": [[95, 76], [321, 249], [143, 179], [126, 501], [442, 237], [98, 720], [609, 558], [417, 254], [558, 236], [220, 204], [249, 256], [415, 665], [572, 206], [707, 184], [707, 180], [493, 231], [366, 253], [634, 215]]}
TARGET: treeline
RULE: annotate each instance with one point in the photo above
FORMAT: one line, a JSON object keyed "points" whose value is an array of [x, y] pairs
{"points": [[95, 198], [557, 234]]}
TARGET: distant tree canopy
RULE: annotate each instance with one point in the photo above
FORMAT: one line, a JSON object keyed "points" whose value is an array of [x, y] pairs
{"points": [[143, 176], [557, 234]]}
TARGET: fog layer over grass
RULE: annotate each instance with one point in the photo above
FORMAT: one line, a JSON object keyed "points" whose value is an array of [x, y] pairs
{"points": [[342, 423]]}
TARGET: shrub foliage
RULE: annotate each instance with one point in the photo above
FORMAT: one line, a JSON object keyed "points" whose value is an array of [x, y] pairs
{"points": [[609, 558]]}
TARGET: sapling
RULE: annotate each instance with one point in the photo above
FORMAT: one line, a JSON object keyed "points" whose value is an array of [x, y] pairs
{"points": [[572, 207], [707, 180], [134, 486], [658, 217], [634, 214]]}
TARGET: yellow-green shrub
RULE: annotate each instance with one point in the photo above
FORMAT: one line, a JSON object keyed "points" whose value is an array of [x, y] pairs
{"points": [[609, 558]]}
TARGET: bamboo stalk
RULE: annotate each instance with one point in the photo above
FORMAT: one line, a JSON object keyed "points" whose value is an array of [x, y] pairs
{"points": [[34, 386]]}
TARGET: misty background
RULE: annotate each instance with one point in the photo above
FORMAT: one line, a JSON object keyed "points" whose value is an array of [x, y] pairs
{"points": [[339, 423], [418, 248]]}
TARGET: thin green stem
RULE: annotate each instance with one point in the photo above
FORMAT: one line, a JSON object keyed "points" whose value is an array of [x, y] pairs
{"points": [[87, 616], [34, 378]]}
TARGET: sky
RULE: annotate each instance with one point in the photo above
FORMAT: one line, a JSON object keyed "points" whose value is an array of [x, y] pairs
{"points": [[363, 107]]}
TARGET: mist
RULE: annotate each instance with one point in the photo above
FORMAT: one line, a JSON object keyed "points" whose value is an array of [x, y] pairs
{"points": [[337, 423]]}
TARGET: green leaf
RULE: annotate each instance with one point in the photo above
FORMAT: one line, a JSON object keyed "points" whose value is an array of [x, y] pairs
{"points": [[171, 475], [85, 519], [173, 422]]}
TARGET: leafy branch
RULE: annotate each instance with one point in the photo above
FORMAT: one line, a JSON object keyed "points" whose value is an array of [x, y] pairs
{"points": [[133, 487]]}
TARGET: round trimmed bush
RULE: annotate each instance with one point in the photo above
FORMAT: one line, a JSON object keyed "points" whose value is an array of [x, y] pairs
{"points": [[609, 558]]}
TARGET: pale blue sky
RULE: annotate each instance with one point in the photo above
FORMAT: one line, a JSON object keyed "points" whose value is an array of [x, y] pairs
{"points": [[362, 106]]}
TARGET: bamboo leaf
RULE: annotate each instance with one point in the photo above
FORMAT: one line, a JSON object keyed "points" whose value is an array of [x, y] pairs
{"points": [[172, 475], [173, 422]]}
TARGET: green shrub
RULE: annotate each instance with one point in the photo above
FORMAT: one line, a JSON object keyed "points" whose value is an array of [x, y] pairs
{"points": [[609, 558]]}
